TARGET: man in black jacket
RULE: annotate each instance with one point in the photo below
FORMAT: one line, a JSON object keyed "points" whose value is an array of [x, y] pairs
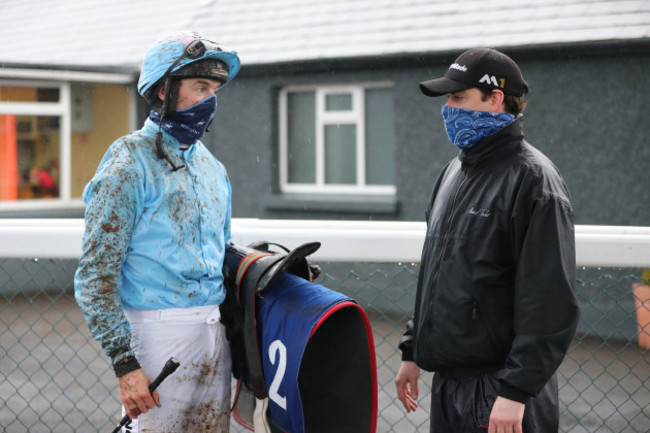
{"points": [[495, 310]]}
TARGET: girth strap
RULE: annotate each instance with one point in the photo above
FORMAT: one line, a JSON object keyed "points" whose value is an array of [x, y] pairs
{"points": [[247, 291]]}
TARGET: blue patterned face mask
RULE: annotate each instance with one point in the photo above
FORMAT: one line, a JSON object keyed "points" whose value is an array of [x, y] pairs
{"points": [[189, 124], [465, 128]]}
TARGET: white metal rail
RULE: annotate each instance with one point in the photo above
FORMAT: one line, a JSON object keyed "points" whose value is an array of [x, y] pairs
{"points": [[342, 241]]}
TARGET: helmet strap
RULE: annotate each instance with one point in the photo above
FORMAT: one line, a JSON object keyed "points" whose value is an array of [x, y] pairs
{"points": [[161, 152], [168, 101], [163, 111]]}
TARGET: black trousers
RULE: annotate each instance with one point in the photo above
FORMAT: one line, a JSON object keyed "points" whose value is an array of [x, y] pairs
{"points": [[463, 405]]}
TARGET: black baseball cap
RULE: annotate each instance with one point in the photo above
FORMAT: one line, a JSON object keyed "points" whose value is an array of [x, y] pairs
{"points": [[485, 68]]}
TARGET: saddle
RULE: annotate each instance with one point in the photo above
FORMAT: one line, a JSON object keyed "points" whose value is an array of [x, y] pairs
{"points": [[303, 355], [247, 272]]}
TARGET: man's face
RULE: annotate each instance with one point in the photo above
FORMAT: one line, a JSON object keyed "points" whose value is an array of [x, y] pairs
{"points": [[194, 90], [472, 99]]}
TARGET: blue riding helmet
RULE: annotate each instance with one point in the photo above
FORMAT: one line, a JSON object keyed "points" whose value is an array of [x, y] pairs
{"points": [[174, 52]]}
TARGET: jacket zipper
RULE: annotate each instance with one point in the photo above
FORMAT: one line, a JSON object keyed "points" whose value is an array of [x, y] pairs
{"points": [[463, 170]]}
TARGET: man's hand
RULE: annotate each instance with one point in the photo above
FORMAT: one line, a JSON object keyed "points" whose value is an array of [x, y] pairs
{"points": [[506, 416], [135, 395], [406, 382]]}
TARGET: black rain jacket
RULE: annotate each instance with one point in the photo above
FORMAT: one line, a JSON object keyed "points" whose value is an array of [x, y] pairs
{"points": [[496, 283]]}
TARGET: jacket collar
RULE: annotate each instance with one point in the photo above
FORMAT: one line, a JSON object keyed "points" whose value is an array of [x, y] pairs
{"points": [[497, 144]]}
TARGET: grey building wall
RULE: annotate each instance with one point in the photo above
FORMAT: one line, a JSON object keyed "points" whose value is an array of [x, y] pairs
{"points": [[587, 111]]}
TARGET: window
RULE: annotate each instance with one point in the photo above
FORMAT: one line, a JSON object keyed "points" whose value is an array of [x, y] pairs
{"points": [[52, 136], [30, 142], [337, 139]]}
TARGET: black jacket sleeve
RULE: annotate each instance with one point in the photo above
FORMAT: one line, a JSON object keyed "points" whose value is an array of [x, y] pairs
{"points": [[545, 306], [406, 343]]}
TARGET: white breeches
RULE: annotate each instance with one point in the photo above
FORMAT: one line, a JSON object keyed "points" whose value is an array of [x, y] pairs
{"points": [[196, 397]]}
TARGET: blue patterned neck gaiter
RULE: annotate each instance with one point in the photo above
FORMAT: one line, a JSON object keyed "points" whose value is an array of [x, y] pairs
{"points": [[189, 124], [465, 128]]}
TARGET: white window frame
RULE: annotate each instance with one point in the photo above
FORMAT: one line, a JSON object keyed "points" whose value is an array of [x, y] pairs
{"points": [[55, 80], [60, 109], [324, 118]]}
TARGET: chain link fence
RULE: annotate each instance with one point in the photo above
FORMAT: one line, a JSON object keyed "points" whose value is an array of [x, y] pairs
{"points": [[54, 378]]}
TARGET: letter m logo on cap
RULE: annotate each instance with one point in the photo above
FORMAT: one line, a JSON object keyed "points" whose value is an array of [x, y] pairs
{"points": [[491, 79]]}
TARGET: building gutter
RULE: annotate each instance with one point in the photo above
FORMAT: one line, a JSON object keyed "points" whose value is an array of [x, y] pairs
{"points": [[67, 75]]}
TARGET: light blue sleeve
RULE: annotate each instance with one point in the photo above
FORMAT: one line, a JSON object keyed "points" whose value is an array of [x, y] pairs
{"points": [[227, 234], [113, 200]]}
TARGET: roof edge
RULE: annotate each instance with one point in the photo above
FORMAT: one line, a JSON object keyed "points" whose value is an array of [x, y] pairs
{"points": [[29, 72], [121, 69]]}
